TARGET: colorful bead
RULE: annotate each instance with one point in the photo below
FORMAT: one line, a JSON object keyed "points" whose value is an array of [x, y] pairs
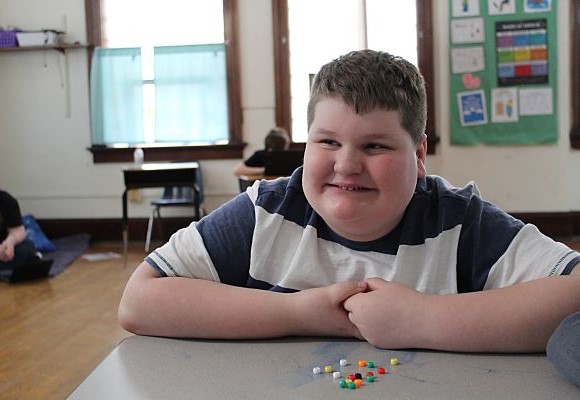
{"points": [[362, 363], [381, 370], [316, 370], [358, 382], [370, 378], [352, 385], [342, 384], [370, 364], [328, 369], [352, 377], [394, 361], [369, 373], [336, 374], [343, 362]]}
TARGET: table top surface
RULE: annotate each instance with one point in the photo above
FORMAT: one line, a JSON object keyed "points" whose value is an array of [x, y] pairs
{"points": [[161, 166], [157, 368]]}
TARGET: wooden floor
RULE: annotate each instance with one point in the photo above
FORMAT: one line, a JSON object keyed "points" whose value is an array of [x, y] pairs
{"points": [[54, 332]]}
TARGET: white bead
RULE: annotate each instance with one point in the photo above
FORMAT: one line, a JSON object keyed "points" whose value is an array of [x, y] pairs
{"points": [[343, 362], [316, 370], [336, 374]]}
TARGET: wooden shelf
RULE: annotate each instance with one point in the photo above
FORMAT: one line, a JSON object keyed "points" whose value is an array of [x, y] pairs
{"points": [[59, 47]]}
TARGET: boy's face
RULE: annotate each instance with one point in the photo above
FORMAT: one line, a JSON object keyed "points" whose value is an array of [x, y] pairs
{"points": [[360, 171]]}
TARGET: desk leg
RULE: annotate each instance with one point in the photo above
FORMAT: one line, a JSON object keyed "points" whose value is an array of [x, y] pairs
{"points": [[196, 202], [125, 228]]}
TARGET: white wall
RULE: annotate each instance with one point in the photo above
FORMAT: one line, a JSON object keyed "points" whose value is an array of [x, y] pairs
{"points": [[45, 129]]}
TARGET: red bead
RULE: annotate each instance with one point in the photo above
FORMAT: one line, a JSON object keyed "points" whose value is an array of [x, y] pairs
{"points": [[381, 370]]}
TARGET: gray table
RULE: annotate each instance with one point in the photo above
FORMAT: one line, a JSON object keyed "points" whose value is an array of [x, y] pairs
{"points": [[155, 368]]}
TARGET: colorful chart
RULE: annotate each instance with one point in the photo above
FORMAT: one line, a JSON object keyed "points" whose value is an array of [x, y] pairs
{"points": [[522, 52]]}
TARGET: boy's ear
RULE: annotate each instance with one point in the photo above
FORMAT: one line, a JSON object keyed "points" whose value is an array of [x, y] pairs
{"points": [[421, 154]]}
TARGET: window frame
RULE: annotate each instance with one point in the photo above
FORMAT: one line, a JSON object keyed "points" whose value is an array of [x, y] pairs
{"points": [[282, 65], [232, 150]]}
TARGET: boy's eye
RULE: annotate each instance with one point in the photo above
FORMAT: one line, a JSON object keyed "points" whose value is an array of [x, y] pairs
{"points": [[376, 146], [329, 142]]}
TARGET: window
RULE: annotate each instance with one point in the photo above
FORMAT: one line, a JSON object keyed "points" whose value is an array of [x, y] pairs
{"points": [[303, 41], [162, 84]]}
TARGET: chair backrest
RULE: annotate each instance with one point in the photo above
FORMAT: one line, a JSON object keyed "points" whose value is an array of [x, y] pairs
{"points": [[185, 192], [283, 163]]}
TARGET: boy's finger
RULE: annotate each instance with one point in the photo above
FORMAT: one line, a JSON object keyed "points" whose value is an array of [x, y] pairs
{"points": [[376, 283], [343, 290]]}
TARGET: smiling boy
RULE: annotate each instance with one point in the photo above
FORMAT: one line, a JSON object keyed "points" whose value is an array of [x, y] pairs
{"points": [[359, 242]]}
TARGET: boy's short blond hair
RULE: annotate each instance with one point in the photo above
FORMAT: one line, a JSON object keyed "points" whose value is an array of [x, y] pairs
{"points": [[366, 80]]}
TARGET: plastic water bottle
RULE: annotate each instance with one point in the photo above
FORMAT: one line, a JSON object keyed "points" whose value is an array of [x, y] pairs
{"points": [[138, 156]]}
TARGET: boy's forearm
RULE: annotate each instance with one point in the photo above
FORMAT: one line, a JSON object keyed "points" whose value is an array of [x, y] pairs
{"points": [[192, 308], [520, 318]]}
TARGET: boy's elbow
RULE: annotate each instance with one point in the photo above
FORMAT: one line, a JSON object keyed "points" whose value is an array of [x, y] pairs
{"points": [[128, 318], [125, 319]]}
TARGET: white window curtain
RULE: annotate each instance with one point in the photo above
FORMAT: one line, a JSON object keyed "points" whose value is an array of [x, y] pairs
{"points": [[116, 96], [190, 95]]}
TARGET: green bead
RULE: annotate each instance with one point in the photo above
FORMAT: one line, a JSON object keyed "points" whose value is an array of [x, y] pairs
{"points": [[370, 364], [370, 378], [351, 385], [342, 383]]}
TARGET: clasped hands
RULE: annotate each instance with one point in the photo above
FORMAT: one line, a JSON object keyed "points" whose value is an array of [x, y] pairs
{"points": [[381, 312]]}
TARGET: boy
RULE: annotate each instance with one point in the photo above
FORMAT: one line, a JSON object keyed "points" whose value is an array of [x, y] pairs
{"points": [[360, 242]]}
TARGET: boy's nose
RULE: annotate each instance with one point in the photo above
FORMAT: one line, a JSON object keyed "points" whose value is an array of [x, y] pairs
{"points": [[347, 163]]}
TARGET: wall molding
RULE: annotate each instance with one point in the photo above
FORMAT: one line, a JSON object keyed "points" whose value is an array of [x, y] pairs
{"points": [[557, 225]]}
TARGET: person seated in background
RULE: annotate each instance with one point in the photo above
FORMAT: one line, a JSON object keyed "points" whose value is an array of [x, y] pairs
{"points": [[276, 140], [15, 248]]}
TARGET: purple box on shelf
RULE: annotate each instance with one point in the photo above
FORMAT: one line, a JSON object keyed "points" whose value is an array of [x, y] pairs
{"points": [[7, 38]]}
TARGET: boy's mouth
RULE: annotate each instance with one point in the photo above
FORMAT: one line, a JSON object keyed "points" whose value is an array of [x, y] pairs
{"points": [[350, 188]]}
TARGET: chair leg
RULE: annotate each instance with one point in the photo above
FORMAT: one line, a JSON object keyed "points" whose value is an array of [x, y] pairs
{"points": [[160, 223], [149, 229]]}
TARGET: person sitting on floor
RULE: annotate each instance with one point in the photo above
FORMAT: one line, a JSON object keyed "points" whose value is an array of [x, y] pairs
{"points": [[15, 248]]}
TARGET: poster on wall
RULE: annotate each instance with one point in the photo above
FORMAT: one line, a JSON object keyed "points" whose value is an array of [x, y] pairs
{"points": [[472, 107], [522, 52], [465, 8], [537, 5], [503, 72], [504, 105]]}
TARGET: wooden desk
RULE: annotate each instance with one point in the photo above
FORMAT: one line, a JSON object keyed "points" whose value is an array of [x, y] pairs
{"points": [[158, 175], [157, 368]]}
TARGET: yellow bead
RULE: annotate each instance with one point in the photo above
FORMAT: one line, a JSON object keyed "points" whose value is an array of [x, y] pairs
{"points": [[328, 368], [394, 361]]}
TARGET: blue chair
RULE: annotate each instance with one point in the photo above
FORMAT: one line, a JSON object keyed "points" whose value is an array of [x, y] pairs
{"points": [[175, 197]]}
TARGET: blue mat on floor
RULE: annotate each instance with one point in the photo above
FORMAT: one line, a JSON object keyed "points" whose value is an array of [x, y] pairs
{"points": [[68, 249]]}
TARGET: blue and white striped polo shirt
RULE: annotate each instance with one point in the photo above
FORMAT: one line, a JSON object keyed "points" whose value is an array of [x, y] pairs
{"points": [[449, 241]]}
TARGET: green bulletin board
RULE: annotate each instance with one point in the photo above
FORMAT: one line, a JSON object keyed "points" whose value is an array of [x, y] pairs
{"points": [[503, 72]]}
